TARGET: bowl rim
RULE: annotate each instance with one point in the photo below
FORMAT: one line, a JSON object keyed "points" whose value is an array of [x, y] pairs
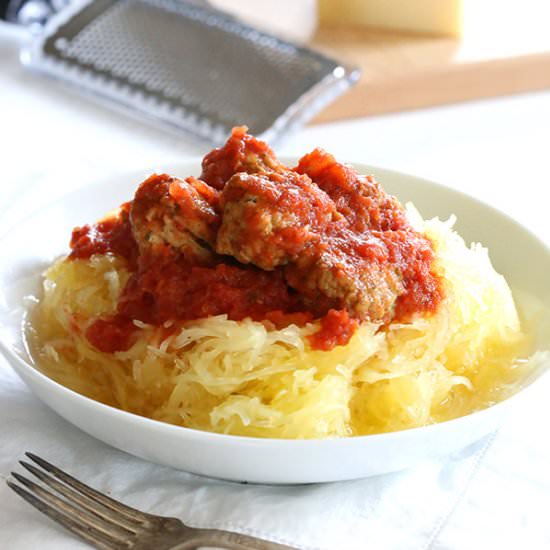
{"points": [[202, 435]]}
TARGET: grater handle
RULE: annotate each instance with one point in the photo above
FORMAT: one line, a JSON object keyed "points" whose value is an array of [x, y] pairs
{"points": [[33, 14]]}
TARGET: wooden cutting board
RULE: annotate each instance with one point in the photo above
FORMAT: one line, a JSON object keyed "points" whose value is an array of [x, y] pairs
{"points": [[404, 71]]}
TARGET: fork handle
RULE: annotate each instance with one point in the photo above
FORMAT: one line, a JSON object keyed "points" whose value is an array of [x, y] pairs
{"points": [[229, 541]]}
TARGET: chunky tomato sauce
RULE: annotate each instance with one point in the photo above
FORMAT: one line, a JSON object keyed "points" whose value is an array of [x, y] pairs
{"points": [[253, 238], [171, 291], [111, 235], [337, 327], [112, 334]]}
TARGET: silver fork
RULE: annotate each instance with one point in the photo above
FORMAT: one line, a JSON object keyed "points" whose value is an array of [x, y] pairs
{"points": [[108, 524]]}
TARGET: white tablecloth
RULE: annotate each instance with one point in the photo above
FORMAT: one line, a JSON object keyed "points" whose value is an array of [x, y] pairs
{"points": [[495, 494]]}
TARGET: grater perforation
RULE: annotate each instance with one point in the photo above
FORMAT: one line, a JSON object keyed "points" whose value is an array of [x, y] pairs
{"points": [[188, 65]]}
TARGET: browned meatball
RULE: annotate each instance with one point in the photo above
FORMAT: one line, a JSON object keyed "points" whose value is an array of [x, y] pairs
{"points": [[357, 273], [361, 199], [273, 220], [241, 153], [368, 289], [167, 211], [268, 219]]}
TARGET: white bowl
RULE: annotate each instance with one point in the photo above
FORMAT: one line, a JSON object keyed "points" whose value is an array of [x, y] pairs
{"points": [[28, 249]]}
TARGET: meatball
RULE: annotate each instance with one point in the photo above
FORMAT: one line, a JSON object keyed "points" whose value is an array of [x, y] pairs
{"points": [[268, 219], [181, 216], [273, 220], [363, 202], [339, 279], [241, 153]]}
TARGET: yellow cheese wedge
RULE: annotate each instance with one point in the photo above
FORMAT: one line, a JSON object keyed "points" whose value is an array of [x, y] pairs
{"points": [[499, 19], [432, 16]]}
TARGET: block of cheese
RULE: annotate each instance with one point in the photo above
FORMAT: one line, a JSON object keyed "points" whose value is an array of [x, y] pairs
{"points": [[489, 19], [429, 16]]}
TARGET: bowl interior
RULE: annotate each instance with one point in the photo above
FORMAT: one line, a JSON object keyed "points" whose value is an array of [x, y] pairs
{"points": [[28, 249]]}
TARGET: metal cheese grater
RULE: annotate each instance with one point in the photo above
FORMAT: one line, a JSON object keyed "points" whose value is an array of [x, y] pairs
{"points": [[187, 65]]}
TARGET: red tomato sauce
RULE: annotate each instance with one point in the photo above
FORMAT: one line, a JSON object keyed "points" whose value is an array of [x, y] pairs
{"points": [[111, 235], [365, 228], [112, 334], [174, 291], [337, 327]]}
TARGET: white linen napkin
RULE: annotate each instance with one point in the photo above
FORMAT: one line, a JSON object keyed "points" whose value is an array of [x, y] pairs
{"points": [[405, 510]]}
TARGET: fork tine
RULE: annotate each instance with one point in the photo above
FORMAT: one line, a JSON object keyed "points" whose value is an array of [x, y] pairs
{"points": [[87, 533], [81, 500], [86, 520], [91, 493]]}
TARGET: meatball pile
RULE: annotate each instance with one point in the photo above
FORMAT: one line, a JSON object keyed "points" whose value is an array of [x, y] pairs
{"points": [[328, 230]]}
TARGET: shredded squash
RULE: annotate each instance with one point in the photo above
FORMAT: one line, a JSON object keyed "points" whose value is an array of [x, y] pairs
{"points": [[247, 379]]}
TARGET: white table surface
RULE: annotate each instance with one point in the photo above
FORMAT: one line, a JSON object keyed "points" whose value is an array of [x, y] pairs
{"points": [[52, 141]]}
